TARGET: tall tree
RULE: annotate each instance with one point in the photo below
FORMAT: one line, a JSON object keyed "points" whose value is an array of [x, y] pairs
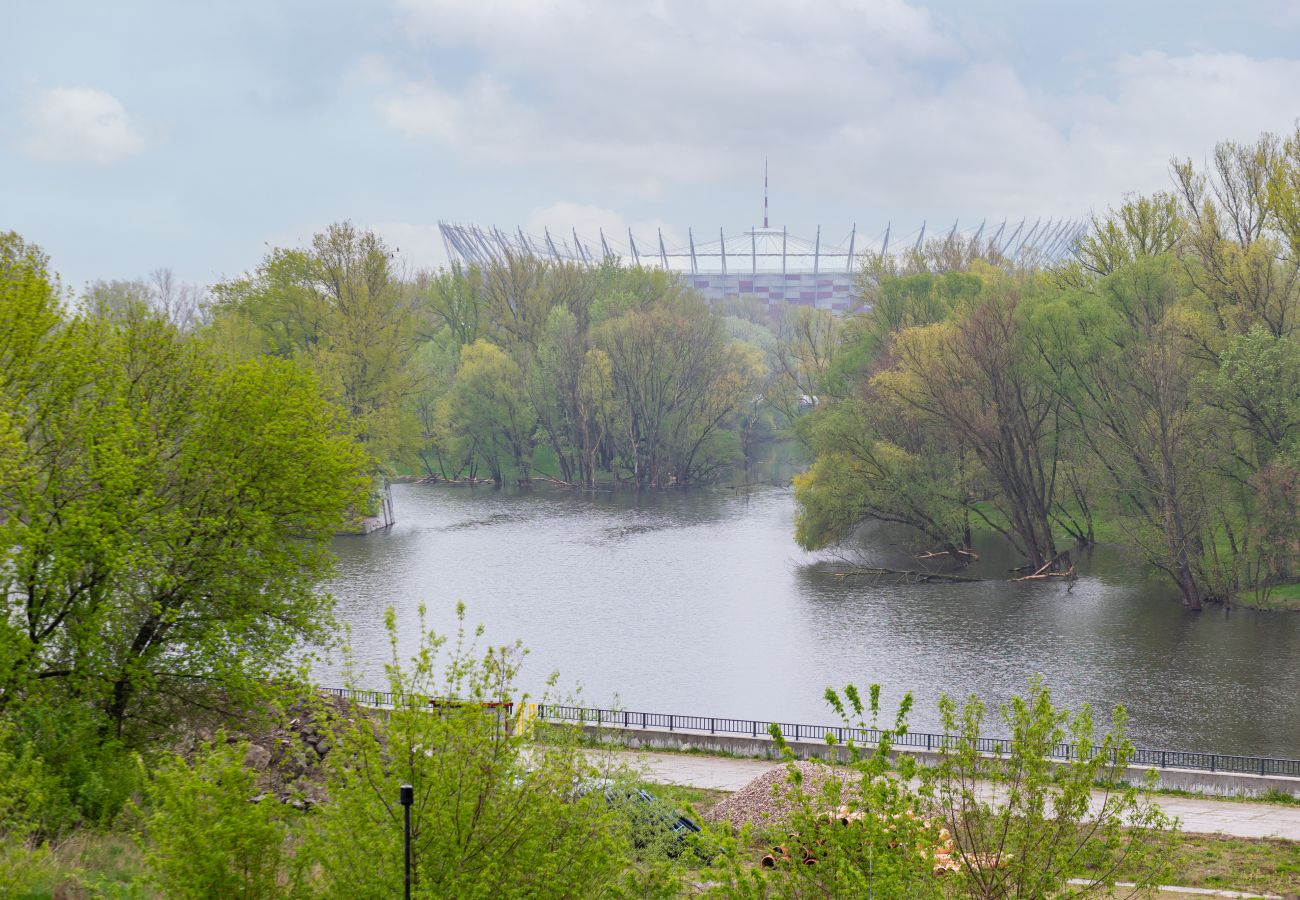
{"points": [[340, 307], [972, 380], [167, 515], [1122, 368]]}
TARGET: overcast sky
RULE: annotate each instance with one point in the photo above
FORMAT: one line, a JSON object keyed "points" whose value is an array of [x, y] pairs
{"points": [[192, 134]]}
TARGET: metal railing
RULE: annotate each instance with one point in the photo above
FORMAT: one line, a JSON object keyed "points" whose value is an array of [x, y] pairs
{"points": [[390, 700], [1143, 757]]}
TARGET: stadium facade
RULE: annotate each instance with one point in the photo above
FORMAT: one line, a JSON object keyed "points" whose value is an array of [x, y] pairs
{"points": [[768, 264]]}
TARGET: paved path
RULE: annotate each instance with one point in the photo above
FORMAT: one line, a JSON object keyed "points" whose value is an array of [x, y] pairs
{"points": [[1197, 814]]}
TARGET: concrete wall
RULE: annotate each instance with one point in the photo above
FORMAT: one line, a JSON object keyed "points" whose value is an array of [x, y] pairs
{"points": [[1228, 784]]}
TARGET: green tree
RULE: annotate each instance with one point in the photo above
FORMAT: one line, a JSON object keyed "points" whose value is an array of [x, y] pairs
{"points": [[494, 815], [487, 410], [340, 307], [1124, 369], [871, 464], [972, 380], [168, 514], [676, 380]]}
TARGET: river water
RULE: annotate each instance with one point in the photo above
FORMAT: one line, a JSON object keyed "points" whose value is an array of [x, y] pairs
{"points": [[700, 603]]}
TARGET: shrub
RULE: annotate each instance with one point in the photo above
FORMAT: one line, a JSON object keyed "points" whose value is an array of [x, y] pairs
{"points": [[1024, 823], [493, 816], [206, 835], [25, 787], [92, 776], [857, 831]]}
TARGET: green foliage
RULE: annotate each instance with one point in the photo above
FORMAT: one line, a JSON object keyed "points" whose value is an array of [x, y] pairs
{"points": [[340, 308], [676, 380], [620, 372], [866, 830], [486, 413], [1023, 824], [27, 793], [91, 777], [490, 817], [166, 515], [860, 473], [208, 835], [1144, 390]]}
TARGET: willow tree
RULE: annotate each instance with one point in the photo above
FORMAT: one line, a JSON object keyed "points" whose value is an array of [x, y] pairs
{"points": [[485, 413], [1121, 364], [676, 379], [972, 380]]}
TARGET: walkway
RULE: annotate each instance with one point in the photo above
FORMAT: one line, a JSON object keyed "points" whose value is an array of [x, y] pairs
{"points": [[1237, 818]]}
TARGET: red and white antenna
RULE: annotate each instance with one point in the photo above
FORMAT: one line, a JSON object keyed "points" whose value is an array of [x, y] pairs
{"points": [[764, 193]]}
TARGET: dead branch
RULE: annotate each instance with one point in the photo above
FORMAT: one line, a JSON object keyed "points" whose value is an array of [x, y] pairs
{"points": [[1051, 568], [904, 576], [966, 555]]}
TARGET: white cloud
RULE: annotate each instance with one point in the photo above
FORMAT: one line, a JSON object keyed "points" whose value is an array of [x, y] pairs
{"points": [[563, 218], [81, 124], [875, 100]]}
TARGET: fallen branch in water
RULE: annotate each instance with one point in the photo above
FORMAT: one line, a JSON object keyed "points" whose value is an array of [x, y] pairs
{"points": [[548, 478], [1053, 563], [1037, 576], [963, 554], [904, 576]]}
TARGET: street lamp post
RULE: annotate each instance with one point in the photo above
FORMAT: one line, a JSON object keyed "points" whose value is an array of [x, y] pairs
{"points": [[406, 796]]}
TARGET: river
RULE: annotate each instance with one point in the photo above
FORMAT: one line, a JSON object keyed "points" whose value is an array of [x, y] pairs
{"points": [[701, 603]]}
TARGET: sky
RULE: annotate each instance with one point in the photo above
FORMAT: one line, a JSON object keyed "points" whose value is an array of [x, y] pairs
{"points": [[197, 135]]}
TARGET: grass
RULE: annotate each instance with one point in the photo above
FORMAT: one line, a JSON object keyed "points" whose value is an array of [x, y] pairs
{"points": [[685, 796], [1280, 798], [91, 864], [1284, 597], [1265, 865]]}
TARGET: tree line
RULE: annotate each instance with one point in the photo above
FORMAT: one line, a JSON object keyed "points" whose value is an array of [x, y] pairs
{"points": [[1145, 392], [613, 374]]}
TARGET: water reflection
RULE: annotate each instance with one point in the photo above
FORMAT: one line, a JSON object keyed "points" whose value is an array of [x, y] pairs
{"points": [[701, 602]]}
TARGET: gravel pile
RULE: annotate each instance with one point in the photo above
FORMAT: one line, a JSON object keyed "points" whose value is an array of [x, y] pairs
{"points": [[769, 798]]}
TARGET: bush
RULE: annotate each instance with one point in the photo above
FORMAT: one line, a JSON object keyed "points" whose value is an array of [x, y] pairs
{"points": [[207, 836], [25, 788], [1024, 823], [857, 831], [93, 776], [493, 816]]}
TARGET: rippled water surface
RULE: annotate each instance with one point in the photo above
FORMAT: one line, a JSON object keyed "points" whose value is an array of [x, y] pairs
{"points": [[701, 603]]}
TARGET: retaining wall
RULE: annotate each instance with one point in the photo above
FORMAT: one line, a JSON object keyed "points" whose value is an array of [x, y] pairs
{"points": [[1225, 784]]}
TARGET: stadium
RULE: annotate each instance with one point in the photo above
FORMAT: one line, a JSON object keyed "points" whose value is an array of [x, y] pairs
{"points": [[768, 264]]}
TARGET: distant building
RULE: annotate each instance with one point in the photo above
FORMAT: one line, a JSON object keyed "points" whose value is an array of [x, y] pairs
{"points": [[769, 264]]}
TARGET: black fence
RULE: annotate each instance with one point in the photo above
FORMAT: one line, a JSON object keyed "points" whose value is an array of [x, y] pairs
{"points": [[915, 740], [390, 700]]}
